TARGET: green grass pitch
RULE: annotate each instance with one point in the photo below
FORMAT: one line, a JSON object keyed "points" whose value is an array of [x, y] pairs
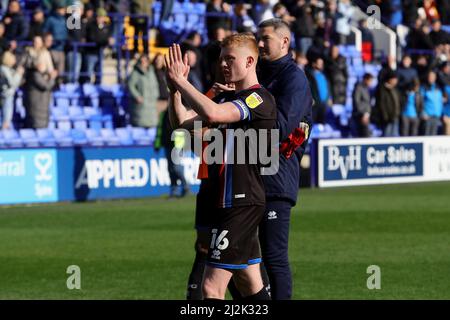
{"points": [[143, 249]]}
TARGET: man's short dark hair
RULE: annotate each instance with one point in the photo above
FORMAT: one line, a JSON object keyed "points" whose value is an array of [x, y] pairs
{"points": [[276, 23]]}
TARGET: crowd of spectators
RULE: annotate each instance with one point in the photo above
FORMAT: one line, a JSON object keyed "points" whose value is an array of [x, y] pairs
{"points": [[407, 97]]}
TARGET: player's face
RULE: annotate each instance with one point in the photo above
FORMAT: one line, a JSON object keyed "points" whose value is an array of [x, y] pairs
{"points": [[233, 64], [270, 44]]}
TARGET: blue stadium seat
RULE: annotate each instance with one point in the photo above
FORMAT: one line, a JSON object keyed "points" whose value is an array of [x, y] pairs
{"points": [[79, 137], [46, 137], [124, 136], [2, 140], [92, 113], [80, 124], [51, 124], [76, 113], [64, 124], [337, 109], [94, 138], [70, 87], [446, 28], [151, 132], [91, 91], [140, 136], [63, 137], [61, 100], [12, 138], [115, 89], [156, 8], [110, 138], [59, 113], [376, 132], [193, 17], [108, 124], [95, 124], [357, 62], [29, 137]]}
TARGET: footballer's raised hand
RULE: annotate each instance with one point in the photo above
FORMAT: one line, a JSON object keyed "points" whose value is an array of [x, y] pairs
{"points": [[177, 66]]}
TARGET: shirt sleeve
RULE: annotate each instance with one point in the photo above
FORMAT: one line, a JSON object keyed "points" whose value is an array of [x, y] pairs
{"points": [[254, 106]]}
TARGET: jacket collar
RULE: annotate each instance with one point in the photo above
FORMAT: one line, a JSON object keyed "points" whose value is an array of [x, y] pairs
{"points": [[269, 69]]}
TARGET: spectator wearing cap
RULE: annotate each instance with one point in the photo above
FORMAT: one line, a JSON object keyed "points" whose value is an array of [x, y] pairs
{"points": [[37, 24], [362, 107], [12, 78], [56, 26], [432, 104], [99, 32], [388, 105]]}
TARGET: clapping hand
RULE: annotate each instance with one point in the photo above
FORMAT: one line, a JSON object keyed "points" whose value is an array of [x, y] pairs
{"points": [[177, 67]]}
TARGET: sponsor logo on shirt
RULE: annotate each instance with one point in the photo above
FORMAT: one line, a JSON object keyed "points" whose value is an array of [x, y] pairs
{"points": [[253, 100]]}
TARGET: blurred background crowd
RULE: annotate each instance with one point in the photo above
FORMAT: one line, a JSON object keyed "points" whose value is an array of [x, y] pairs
{"points": [[81, 69]]}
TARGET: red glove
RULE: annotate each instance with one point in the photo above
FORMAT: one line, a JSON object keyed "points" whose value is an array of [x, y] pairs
{"points": [[292, 142]]}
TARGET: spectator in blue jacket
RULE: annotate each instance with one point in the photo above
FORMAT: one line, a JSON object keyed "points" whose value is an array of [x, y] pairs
{"points": [[279, 73], [412, 109], [320, 88], [432, 105], [56, 26]]}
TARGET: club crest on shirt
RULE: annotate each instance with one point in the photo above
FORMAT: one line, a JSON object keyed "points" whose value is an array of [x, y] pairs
{"points": [[253, 100]]}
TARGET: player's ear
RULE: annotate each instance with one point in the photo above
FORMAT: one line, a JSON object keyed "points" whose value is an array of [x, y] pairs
{"points": [[285, 42], [250, 61]]}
